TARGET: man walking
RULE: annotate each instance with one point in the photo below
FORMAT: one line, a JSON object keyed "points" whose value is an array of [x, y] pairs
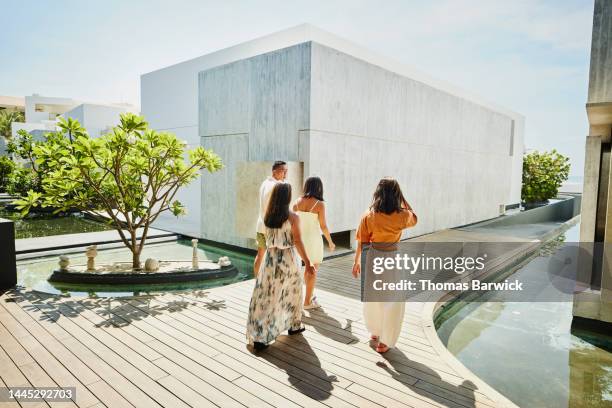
{"points": [[279, 173]]}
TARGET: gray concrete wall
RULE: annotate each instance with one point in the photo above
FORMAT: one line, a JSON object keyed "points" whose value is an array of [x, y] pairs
{"points": [[600, 77], [171, 100], [452, 156], [352, 122], [250, 111]]}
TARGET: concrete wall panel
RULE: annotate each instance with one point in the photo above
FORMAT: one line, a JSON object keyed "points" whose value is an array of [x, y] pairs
{"points": [[451, 156], [265, 96], [600, 75]]}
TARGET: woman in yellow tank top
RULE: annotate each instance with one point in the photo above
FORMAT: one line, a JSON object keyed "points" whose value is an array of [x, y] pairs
{"points": [[311, 210]]}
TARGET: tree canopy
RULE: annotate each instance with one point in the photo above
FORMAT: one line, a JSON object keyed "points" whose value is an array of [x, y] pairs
{"points": [[133, 174]]}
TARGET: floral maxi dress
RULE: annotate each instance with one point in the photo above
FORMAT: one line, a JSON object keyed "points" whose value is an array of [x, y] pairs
{"points": [[276, 304]]}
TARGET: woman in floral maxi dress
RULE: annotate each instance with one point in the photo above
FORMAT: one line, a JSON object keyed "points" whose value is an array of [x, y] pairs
{"points": [[276, 304]]}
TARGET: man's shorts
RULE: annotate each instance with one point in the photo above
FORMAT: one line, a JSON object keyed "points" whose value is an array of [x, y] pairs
{"points": [[261, 240]]}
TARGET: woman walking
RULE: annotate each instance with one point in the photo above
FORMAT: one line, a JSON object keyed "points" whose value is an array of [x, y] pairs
{"points": [[388, 215], [311, 210], [276, 304]]}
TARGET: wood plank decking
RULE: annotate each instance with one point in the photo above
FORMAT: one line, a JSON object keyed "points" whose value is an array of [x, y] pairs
{"points": [[188, 349]]}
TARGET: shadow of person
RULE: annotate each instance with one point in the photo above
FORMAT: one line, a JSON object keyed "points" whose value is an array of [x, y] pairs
{"points": [[330, 327], [429, 383], [303, 367]]}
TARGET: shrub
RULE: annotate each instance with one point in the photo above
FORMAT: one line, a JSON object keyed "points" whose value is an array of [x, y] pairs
{"points": [[543, 174], [7, 166]]}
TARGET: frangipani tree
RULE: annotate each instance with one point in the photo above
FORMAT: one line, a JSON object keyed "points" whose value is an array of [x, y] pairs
{"points": [[132, 174]]}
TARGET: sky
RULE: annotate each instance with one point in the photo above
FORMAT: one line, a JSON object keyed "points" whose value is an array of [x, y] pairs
{"points": [[531, 56]]}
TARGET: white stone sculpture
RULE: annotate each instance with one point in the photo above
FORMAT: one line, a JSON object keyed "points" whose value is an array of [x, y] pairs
{"points": [[151, 265], [91, 253], [224, 261], [64, 262], [194, 257]]}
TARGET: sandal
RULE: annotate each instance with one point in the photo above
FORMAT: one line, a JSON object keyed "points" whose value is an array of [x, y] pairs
{"points": [[298, 331], [313, 304], [382, 348]]}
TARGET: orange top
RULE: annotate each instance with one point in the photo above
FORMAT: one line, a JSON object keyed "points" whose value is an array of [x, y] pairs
{"points": [[384, 228]]}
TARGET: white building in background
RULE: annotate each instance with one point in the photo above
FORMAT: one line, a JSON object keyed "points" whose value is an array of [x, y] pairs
{"points": [[41, 113], [335, 110], [98, 119]]}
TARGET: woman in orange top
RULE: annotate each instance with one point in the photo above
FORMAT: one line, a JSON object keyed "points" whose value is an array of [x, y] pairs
{"points": [[388, 216]]}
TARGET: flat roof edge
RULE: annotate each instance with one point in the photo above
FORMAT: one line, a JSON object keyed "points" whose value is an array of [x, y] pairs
{"points": [[308, 33]]}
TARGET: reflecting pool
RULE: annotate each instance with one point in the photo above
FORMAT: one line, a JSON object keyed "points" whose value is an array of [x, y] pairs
{"points": [[33, 273], [528, 351], [45, 225]]}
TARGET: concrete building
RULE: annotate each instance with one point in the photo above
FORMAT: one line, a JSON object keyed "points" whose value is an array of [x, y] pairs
{"points": [[41, 113], [97, 118], [596, 213], [343, 113]]}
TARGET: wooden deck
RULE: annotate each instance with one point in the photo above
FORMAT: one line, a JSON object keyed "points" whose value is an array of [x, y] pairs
{"points": [[188, 349]]}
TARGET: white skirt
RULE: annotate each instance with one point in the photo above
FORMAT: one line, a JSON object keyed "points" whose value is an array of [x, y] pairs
{"points": [[384, 319]]}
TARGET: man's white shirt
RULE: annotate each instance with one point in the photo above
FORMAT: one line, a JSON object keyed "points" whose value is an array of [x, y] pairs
{"points": [[264, 197]]}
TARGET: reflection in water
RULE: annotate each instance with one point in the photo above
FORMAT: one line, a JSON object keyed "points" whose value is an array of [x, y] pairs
{"points": [[527, 350], [35, 272], [590, 361]]}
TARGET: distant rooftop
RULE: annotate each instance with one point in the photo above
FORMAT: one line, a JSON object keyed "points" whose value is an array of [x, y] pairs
{"points": [[12, 102]]}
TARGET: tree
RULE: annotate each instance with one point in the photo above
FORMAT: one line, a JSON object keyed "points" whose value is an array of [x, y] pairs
{"points": [[132, 174], [7, 117], [543, 174], [28, 173], [7, 166]]}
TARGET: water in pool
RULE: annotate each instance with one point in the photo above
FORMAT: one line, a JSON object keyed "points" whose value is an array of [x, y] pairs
{"points": [[45, 225], [33, 273], [529, 353]]}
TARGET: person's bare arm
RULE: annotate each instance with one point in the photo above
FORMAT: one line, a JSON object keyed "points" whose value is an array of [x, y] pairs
{"points": [[324, 228], [297, 241], [412, 220], [362, 231], [357, 262], [295, 206]]}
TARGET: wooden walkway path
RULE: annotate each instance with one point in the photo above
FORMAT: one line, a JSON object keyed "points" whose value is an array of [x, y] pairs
{"points": [[188, 349]]}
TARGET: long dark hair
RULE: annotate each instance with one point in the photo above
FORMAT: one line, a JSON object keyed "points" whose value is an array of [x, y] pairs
{"points": [[313, 187], [388, 197], [278, 206]]}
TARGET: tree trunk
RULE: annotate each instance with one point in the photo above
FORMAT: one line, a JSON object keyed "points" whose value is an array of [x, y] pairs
{"points": [[136, 259], [135, 252]]}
